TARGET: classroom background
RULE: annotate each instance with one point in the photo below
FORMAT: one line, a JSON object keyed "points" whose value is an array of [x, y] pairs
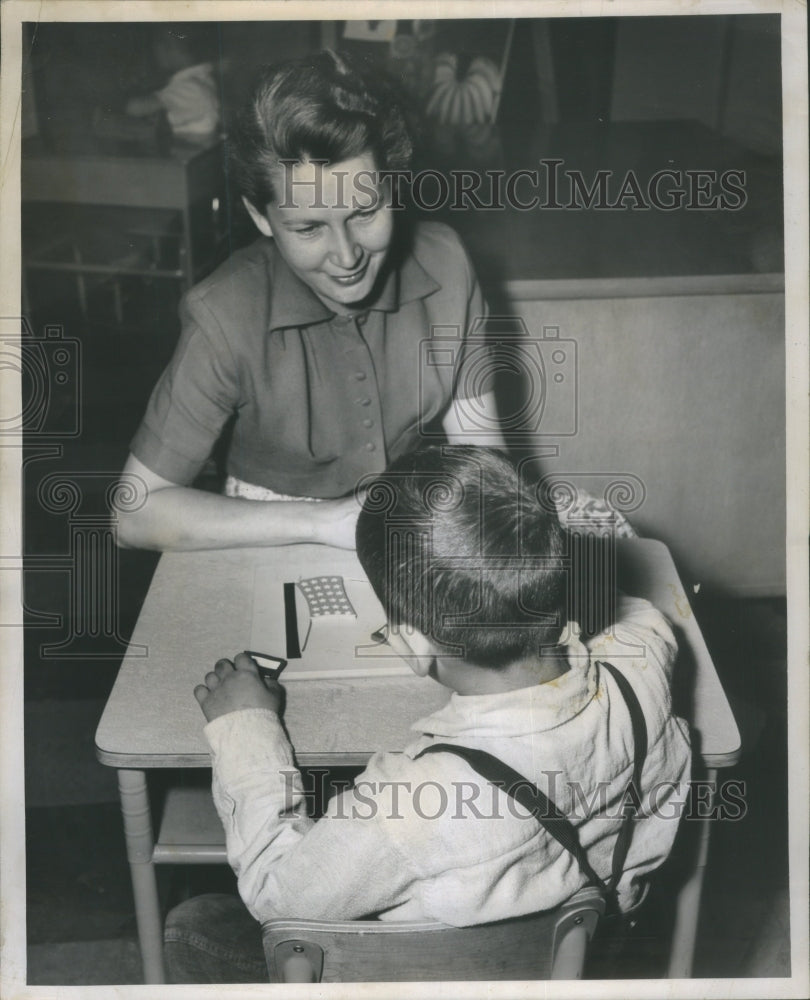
{"points": [[677, 322]]}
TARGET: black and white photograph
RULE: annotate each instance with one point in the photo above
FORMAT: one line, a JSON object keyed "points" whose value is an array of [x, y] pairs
{"points": [[404, 449]]}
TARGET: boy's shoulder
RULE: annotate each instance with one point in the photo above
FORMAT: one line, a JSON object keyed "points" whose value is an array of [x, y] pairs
{"points": [[641, 644], [638, 627]]}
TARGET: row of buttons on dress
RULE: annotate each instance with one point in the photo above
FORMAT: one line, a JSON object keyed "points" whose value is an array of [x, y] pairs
{"points": [[360, 376], [365, 401]]}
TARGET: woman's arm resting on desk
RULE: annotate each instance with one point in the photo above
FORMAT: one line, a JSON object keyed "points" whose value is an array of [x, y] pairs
{"points": [[168, 517], [474, 421]]}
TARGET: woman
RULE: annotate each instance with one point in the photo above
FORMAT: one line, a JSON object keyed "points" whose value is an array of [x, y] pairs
{"points": [[310, 343]]}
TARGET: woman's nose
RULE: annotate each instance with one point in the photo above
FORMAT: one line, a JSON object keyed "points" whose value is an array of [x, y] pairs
{"points": [[345, 251]]}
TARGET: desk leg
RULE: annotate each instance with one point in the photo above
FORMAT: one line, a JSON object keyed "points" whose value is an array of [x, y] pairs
{"points": [[687, 905], [140, 844]]}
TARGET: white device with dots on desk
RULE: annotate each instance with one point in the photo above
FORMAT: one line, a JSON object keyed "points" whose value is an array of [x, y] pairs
{"points": [[323, 625]]}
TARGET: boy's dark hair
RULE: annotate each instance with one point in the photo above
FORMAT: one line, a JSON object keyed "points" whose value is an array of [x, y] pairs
{"points": [[456, 545], [326, 106]]}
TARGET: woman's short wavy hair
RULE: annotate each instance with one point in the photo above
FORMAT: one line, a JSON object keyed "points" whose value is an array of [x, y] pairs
{"points": [[326, 106]]}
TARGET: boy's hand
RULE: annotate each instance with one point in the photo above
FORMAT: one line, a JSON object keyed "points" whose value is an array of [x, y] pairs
{"points": [[230, 687]]}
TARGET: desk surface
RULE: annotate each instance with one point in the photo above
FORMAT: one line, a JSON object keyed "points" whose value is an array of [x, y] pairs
{"points": [[199, 608]]}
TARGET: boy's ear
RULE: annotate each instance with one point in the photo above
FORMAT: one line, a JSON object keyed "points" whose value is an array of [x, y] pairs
{"points": [[415, 648], [261, 222]]}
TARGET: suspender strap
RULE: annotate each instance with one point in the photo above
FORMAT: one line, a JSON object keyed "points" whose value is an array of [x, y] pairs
{"points": [[631, 799], [545, 811], [528, 795]]}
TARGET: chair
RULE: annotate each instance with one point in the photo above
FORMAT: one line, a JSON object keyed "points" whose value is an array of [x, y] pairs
{"points": [[547, 945]]}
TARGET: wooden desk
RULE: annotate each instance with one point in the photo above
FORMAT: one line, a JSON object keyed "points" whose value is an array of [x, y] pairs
{"points": [[199, 608], [188, 178]]}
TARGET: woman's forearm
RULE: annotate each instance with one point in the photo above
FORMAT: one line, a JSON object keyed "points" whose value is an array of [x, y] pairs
{"points": [[179, 518], [154, 513]]}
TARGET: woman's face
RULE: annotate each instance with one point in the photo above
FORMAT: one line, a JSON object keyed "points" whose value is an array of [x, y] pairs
{"points": [[333, 225]]}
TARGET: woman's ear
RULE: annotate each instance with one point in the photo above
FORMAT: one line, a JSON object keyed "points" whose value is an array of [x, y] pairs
{"points": [[261, 222]]}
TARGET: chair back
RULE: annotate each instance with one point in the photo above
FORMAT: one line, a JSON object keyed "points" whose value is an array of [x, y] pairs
{"points": [[547, 945]]}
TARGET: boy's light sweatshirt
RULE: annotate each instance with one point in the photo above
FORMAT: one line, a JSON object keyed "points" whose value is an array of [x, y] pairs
{"points": [[430, 839]]}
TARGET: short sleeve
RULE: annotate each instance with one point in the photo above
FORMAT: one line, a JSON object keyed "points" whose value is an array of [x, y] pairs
{"points": [[473, 373], [191, 402]]}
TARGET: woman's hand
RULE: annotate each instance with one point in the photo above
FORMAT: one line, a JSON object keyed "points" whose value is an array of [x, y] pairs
{"points": [[231, 687], [336, 520]]}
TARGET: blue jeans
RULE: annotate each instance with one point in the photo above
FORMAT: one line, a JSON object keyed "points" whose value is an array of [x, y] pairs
{"points": [[213, 939]]}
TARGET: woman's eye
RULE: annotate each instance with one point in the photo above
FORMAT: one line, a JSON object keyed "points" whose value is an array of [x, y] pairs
{"points": [[307, 230], [367, 213]]}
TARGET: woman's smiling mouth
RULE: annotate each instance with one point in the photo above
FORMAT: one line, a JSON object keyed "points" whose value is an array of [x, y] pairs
{"points": [[353, 278]]}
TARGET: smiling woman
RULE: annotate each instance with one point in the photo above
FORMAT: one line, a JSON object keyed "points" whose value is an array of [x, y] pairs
{"points": [[330, 243], [311, 341]]}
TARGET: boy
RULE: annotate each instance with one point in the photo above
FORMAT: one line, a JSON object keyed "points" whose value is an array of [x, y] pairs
{"points": [[472, 577]]}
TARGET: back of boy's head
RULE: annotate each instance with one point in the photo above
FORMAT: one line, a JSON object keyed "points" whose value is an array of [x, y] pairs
{"points": [[456, 545]]}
